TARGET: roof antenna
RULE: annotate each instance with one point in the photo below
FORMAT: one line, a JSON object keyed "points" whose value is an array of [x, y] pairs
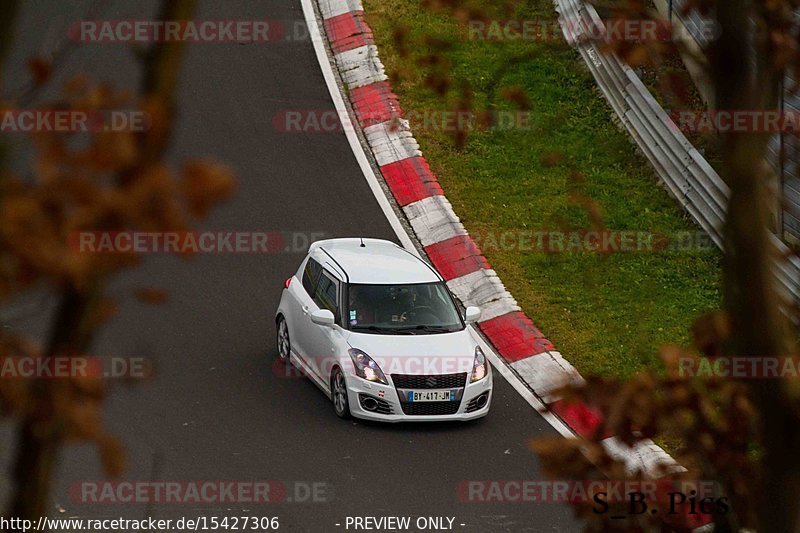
{"points": [[362, 243]]}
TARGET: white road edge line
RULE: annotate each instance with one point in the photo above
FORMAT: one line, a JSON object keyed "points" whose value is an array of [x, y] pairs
{"points": [[501, 366], [355, 143], [358, 150]]}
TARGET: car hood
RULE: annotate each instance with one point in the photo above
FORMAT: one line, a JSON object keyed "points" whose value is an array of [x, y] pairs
{"points": [[443, 353]]}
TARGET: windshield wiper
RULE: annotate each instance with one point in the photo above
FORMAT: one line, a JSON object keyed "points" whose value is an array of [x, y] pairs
{"points": [[429, 329], [379, 329]]}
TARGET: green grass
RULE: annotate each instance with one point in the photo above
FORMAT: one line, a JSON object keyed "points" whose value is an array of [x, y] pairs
{"points": [[608, 314]]}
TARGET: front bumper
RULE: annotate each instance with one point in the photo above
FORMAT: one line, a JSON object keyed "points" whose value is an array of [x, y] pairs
{"points": [[358, 389]]}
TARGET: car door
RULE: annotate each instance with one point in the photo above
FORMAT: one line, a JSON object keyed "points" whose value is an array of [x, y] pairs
{"points": [[301, 308], [322, 339]]}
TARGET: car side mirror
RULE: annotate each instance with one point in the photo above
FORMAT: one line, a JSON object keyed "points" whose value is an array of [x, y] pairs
{"points": [[323, 317], [472, 314]]}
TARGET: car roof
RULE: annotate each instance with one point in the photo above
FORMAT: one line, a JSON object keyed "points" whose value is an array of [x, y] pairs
{"points": [[377, 262]]}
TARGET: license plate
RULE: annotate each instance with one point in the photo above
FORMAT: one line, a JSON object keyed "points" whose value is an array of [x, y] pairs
{"points": [[430, 396]]}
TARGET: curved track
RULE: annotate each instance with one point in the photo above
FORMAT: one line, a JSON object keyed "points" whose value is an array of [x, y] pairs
{"points": [[216, 410]]}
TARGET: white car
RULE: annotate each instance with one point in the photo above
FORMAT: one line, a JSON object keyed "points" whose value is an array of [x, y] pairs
{"points": [[377, 329]]}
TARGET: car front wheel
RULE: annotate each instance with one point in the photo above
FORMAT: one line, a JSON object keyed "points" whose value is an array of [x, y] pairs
{"points": [[284, 345], [339, 394]]}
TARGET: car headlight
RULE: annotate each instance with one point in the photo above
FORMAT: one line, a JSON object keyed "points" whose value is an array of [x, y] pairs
{"points": [[366, 368], [480, 368]]}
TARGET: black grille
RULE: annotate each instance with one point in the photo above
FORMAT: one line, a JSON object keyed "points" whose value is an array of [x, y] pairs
{"points": [[442, 381], [472, 405], [384, 408], [430, 408]]}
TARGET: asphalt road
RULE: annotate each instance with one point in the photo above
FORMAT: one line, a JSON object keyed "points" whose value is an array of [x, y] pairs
{"points": [[217, 410]]}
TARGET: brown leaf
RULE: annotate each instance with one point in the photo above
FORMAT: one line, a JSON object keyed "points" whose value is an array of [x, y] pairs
{"points": [[40, 69], [518, 97], [152, 295], [112, 454], [206, 183], [711, 333]]}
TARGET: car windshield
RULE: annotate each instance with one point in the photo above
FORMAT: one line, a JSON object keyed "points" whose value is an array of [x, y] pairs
{"points": [[402, 309]]}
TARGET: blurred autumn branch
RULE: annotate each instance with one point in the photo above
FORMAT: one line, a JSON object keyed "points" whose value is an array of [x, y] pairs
{"points": [[739, 434], [95, 181], [742, 435]]}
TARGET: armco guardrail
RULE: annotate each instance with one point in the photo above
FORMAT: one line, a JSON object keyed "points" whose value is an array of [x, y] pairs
{"points": [[681, 168], [783, 152]]}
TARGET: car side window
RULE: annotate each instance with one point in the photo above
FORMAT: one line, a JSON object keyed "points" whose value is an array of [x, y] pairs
{"points": [[311, 275], [327, 293]]}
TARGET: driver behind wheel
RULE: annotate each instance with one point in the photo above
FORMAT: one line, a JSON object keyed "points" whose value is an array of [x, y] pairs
{"points": [[361, 311], [405, 302]]}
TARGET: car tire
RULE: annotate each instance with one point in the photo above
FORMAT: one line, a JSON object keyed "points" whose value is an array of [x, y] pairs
{"points": [[284, 343], [341, 404]]}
